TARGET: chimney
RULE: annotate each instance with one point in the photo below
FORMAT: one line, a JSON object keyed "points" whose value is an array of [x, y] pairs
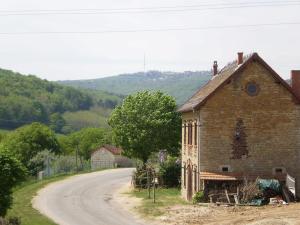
{"points": [[240, 58], [215, 68], [295, 80]]}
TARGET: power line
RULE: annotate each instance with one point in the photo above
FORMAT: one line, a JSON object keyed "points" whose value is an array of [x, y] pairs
{"points": [[153, 30], [149, 9], [157, 7]]}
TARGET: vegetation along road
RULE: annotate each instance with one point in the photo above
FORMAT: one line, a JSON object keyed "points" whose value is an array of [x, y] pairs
{"points": [[86, 199]]}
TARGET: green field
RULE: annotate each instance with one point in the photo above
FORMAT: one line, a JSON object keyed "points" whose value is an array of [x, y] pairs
{"points": [[95, 117], [22, 207]]}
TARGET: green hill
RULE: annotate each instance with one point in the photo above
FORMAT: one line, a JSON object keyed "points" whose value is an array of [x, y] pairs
{"points": [[179, 85], [25, 99]]}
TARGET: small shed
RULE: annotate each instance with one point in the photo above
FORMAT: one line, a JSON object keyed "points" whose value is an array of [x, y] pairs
{"points": [[109, 156]]}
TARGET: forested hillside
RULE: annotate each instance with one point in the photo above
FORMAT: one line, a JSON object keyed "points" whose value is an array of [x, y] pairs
{"points": [[24, 99], [179, 85]]}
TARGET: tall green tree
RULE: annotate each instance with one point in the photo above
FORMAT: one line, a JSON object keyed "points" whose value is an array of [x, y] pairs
{"points": [[86, 140], [27, 141], [12, 172], [57, 122], [147, 122]]}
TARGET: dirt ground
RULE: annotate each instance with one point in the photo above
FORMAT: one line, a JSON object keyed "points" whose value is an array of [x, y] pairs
{"points": [[265, 215], [215, 215]]}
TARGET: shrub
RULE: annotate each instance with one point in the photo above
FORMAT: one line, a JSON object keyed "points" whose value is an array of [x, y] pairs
{"points": [[10, 221], [250, 191], [64, 164], [12, 172], [170, 172], [198, 197], [39, 162], [139, 177], [67, 164]]}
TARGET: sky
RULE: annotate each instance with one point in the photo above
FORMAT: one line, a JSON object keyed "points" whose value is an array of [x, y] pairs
{"points": [[219, 35]]}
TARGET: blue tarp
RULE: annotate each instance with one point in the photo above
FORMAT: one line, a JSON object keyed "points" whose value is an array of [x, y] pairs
{"points": [[271, 184]]}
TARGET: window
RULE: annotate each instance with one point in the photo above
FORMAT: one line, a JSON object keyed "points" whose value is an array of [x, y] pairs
{"points": [[278, 170], [184, 133], [252, 89], [195, 134], [225, 168], [190, 133]]}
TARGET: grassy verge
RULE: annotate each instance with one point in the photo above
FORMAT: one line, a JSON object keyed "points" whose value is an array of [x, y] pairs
{"points": [[22, 207], [164, 198]]}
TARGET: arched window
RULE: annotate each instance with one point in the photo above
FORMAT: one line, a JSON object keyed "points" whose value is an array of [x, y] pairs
{"points": [[190, 134]]}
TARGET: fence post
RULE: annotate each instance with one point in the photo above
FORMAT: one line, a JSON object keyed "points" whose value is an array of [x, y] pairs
{"points": [[154, 187], [148, 183]]}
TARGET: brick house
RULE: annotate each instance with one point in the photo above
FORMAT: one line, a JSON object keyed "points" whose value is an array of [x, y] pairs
{"points": [[109, 156], [244, 123]]}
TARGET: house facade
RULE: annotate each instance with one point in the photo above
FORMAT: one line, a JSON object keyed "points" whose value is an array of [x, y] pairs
{"points": [[109, 156], [244, 123]]}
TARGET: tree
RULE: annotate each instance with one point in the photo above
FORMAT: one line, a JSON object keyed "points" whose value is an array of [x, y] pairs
{"points": [[27, 141], [146, 122], [12, 172], [86, 140], [57, 122], [40, 162]]}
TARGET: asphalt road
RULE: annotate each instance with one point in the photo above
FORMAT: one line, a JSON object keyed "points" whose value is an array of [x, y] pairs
{"points": [[86, 199]]}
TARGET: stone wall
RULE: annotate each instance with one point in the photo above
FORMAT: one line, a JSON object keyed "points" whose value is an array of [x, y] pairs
{"points": [[190, 153], [102, 158], [270, 122]]}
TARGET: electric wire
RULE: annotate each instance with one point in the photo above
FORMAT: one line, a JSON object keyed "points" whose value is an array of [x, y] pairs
{"points": [[147, 10], [154, 30]]}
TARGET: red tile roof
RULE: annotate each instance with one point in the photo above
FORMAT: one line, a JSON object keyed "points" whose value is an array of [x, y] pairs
{"points": [[239, 176], [113, 149]]}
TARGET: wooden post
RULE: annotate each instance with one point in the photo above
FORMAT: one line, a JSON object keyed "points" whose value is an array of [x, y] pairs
{"points": [[148, 184], [227, 196], [154, 186], [76, 152]]}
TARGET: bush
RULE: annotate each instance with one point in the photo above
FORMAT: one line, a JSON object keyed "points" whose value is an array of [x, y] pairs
{"points": [[67, 164], [64, 164], [10, 221], [39, 162], [139, 177], [12, 172], [170, 172], [198, 197]]}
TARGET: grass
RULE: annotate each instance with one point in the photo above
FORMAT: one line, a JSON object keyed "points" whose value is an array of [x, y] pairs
{"points": [[22, 207], [165, 197], [4, 131]]}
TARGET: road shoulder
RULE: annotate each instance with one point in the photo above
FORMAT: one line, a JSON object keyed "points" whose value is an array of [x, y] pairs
{"points": [[131, 204]]}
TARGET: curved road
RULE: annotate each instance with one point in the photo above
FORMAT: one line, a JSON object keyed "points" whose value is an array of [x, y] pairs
{"points": [[86, 199]]}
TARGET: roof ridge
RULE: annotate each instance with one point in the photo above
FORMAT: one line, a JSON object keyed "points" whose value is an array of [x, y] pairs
{"points": [[204, 92]]}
